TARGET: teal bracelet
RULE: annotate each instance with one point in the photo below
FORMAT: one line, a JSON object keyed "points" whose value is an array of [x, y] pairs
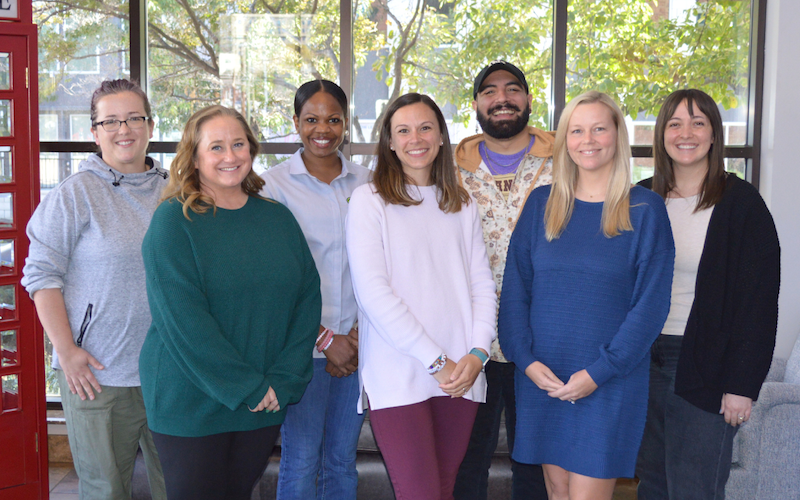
{"points": [[477, 352]]}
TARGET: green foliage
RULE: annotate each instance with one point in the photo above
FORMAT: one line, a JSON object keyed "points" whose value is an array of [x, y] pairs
{"points": [[615, 46], [252, 54], [619, 47], [70, 36]]}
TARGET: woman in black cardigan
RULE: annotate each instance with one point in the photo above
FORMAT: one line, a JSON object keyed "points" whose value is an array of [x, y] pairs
{"points": [[714, 353]]}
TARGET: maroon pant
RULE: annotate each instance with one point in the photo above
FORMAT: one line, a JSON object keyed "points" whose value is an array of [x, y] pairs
{"points": [[423, 445]]}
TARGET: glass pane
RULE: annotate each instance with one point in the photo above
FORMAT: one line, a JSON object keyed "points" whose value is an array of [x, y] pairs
{"points": [[10, 392], [55, 167], [439, 48], [6, 257], [81, 43], [8, 343], [6, 210], [5, 118], [80, 127], [6, 174], [8, 308], [365, 160], [266, 161], [251, 56], [736, 165], [51, 387], [641, 168], [48, 127], [5, 71], [640, 53]]}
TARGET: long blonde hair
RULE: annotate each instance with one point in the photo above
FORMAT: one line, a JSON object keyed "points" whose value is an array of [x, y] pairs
{"points": [[616, 207], [184, 178]]}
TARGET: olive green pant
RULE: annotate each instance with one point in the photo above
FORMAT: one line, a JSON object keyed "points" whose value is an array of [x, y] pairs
{"points": [[104, 437]]}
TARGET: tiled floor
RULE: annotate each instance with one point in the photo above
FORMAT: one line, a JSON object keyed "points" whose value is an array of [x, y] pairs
{"points": [[64, 484]]}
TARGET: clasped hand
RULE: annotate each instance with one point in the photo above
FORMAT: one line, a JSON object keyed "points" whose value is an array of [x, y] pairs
{"points": [[342, 355], [579, 385], [455, 379], [269, 403]]}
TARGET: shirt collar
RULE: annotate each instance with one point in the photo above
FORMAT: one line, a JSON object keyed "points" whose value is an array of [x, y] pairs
{"points": [[298, 167]]}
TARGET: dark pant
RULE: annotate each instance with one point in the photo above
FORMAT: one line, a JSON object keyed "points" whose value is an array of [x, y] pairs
{"points": [[222, 466], [423, 445], [685, 452], [472, 482]]}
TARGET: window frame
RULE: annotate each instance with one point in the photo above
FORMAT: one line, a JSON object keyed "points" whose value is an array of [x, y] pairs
{"points": [[751, 151]]}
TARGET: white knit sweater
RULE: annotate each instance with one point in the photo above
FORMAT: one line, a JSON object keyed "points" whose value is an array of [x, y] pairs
{"points": [[424, 287]]}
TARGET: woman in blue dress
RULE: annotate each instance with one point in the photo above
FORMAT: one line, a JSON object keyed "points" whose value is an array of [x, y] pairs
{"points": [[585, 294]]}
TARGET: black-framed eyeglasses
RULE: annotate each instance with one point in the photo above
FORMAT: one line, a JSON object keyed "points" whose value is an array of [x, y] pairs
{"points": [[134, 122]]}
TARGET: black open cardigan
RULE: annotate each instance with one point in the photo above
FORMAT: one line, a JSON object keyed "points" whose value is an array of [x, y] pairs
{"points": [[730, 334]]}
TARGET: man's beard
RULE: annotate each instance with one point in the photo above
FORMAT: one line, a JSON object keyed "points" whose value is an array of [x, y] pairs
{"points": [[506, 128]]}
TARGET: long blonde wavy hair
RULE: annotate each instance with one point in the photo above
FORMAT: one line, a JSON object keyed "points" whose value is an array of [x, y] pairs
{"points": [[616, 207], [184, 178]]}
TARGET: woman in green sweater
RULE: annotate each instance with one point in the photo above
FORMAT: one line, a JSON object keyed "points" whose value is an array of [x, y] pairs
{"points": [[235, 299]]}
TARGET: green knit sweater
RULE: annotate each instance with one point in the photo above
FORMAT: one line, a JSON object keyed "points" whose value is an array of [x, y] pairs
{"points": [[235, 300]]}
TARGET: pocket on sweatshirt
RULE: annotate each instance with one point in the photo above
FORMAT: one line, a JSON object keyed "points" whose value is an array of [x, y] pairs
{"points": [[87, 320]]}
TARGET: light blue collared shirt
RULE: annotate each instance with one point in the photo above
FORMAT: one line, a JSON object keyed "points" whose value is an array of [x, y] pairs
{"points": [[321, 209]]}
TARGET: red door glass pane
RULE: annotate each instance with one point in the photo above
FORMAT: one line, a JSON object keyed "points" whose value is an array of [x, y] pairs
{"points": [[5, 118], [8, 348], [8, 302], [7, 257], [5, 71], [6, 172], [10, 390]]}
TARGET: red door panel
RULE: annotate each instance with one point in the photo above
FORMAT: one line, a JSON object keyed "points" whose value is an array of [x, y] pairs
{"points": [[23, 430]]}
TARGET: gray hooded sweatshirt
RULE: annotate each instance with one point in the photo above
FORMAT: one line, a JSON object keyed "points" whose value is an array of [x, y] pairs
{"points": [[86, 239]]}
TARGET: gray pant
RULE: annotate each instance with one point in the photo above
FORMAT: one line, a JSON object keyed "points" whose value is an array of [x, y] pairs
{"points": [[104, 437], [685, 452]]}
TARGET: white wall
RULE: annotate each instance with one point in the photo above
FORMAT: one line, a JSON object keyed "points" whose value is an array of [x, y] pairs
{"points": [[780, 156]]}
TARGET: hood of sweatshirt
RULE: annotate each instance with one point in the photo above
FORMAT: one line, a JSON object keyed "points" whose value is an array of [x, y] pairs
{"points": [[468, 155], [98, 167]]}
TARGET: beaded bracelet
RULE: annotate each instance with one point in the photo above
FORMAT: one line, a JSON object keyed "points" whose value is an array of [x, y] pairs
{"points": [[437, 365], [328, 343], [327, 339]]}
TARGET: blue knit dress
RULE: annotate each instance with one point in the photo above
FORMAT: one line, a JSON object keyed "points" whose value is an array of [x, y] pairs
{"points": [[584, 301]]}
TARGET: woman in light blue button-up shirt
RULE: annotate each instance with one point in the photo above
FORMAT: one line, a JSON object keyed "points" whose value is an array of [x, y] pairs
{"points": [[320, 433]]}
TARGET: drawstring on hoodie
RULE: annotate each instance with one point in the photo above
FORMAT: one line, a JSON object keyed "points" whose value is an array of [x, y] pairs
{"points": [[153, 171], [116, 181]]}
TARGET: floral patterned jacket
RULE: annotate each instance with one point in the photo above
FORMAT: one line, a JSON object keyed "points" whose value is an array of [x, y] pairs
{"points": [[498, 217]]}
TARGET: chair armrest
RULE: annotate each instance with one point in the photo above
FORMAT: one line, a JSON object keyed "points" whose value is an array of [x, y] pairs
{"points": [[746, 445], [776, 370], [776, 393]]}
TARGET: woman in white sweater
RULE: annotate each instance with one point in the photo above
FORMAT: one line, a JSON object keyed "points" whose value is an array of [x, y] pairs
{"points": [[427, 301]]}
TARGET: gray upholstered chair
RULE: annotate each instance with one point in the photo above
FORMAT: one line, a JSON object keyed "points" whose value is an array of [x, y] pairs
{"points": [[766, 450]]}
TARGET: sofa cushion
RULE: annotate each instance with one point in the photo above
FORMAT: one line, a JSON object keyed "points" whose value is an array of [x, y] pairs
{"points": [[792, 375]]}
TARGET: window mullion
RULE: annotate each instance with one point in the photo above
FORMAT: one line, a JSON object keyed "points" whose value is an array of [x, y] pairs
{"points": [[558, 83], [138, 41]]}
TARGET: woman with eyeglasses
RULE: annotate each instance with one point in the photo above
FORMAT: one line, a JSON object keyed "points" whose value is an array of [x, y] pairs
{"points": [[86, 276]]}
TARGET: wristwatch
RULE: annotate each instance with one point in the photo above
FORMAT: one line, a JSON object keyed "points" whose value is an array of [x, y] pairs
{"points": [[483, 357]]}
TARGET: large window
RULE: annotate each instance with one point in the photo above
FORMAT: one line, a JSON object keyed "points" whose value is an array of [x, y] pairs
{"points": [[253, 54]]}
